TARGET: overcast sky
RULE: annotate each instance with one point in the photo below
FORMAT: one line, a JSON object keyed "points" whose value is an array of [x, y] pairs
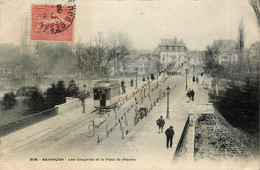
{"points": [[198, 22]]}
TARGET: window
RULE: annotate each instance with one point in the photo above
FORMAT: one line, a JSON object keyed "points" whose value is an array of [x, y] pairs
{"points": [[107, 91], [167, 48], [97, 94]]}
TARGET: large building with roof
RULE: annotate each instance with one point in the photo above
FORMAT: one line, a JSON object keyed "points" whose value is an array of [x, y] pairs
{"points": [[227, 51], [172, 52]]}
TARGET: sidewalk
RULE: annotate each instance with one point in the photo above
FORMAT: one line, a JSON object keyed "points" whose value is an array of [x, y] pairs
{"points": [[154, 144], [149, 147], [198, 105]]}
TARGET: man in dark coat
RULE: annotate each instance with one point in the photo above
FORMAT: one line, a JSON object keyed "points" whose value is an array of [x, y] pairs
{"points": [[169, 135], [160, 123], [192, 93], [188, 94]]}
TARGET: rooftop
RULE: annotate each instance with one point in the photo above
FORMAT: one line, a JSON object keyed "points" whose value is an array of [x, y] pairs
{"points": [[225, 44], [173, 42]]}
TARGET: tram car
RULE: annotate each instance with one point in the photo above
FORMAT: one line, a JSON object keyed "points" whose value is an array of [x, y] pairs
{"points": [[106, 94]]}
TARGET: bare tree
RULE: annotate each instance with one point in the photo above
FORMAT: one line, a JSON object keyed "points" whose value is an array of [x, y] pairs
{"points": [[119, 46], [241, 44], [255, 4], [96, 56], [87, 62]]}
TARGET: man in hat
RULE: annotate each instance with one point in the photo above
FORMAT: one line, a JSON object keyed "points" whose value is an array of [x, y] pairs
{"points": [[192, 93], [169, 135]]}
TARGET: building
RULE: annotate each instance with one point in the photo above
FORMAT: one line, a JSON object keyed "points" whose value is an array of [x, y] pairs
{"points": [[227, 51], [145, 64], [172, 52], [196, 58], [196, 62]]}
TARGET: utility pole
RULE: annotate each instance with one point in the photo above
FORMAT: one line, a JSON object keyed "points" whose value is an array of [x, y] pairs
{"points": [[186, 72], [136, 69], [167, 112]]}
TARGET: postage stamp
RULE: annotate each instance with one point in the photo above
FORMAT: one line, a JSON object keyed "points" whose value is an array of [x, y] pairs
{"points": [[52, 22]]}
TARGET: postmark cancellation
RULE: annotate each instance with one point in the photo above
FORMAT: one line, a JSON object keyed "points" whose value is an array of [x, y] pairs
{"points": [[52, 22]]}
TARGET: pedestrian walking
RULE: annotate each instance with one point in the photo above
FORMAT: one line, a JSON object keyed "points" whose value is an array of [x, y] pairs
{"points": [[192, 93], [160, 123], [122, 86], [132, 82], [137, 104], [169, 135], [152, 77], [188, 94], [123, 89], [122, 83]]}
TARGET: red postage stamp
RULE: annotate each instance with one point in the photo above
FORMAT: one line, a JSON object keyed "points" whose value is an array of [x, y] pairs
{"points": [[52, 22]]}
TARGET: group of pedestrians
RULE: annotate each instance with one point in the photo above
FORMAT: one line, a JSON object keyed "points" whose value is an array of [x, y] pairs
{"points": [[190, 94], [169, 132]]}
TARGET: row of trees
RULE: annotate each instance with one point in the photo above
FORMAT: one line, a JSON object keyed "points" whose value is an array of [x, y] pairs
{"points": [[20, 62], [93, 58], [56, 94], [37, 101]]}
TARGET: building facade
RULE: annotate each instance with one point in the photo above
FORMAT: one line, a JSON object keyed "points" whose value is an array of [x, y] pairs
{"points": [[145, 64], [227, 51], [172, 52]]}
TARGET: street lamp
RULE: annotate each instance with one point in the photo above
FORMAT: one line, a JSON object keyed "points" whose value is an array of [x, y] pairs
{"points": [[136, 69], [84, 90], [168, 92], [186, 72], [193, 70], [157, 70], [197, 74]]}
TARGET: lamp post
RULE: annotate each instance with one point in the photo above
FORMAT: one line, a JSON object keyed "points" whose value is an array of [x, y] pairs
{"points": [[193, 70], [157, 70], [186, 72], [197, 74], [168, 92], [84, 90], [136, 69]]}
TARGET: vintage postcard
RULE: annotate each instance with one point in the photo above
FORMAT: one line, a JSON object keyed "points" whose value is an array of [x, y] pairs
{"points": [[160, 84]]}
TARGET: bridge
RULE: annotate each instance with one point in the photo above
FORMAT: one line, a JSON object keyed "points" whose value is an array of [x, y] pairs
{"points": [[67, 135]]}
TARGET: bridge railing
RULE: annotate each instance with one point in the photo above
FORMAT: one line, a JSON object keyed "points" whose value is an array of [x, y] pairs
{"points": [[71, 103], [27, 121], [182, 140]]}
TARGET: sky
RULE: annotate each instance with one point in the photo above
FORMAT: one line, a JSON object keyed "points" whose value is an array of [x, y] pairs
{"points": [[197, 22]]}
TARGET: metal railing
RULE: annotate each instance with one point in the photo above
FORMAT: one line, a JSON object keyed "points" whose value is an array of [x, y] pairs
{"points": [[27, 121], [182, 139]]}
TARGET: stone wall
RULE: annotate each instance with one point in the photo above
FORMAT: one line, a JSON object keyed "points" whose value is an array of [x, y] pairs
{"points": [[71, 103]]}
